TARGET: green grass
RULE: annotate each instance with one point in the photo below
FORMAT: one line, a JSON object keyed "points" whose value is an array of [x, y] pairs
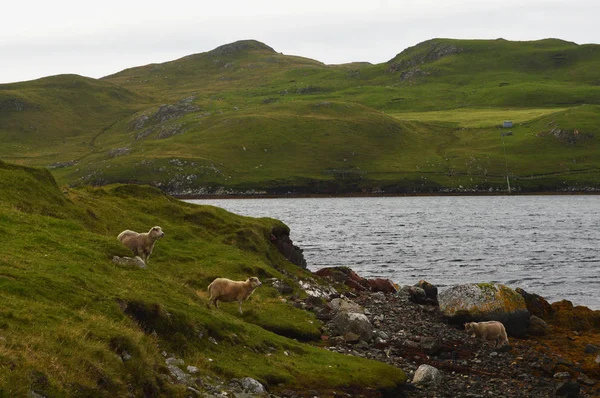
{"points": [[68, 312], [263, 120]]}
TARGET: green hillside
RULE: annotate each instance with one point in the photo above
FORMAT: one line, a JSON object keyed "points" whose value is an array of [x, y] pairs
{"points": [[245, 118], [72, 323]]}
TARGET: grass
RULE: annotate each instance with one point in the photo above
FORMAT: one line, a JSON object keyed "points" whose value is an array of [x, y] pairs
{"points": [[262, 120], [68, 313]]}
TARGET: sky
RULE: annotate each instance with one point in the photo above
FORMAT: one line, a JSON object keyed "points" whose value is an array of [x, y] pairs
{"points": [[40, 38]]}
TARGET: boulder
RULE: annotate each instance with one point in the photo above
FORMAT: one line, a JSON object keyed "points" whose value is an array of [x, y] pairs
{"points": [[417, 295], [344, 275], [381, 285], [427, 374], [346, 322], [536, 305], [431, 291], [537, 326], [568, 388], [345, 305], [485, 302], [578, 318], [252, 386]]}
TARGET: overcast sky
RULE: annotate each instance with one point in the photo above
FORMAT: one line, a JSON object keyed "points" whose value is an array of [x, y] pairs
{"points": [[41, 38]]}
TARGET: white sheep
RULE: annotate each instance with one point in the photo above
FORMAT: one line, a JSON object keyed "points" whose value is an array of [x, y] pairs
{"points": [[141, 244], [491, 330], [226, 290]]}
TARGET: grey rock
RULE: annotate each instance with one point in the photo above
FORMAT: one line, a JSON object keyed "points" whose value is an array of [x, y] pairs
{"points": [[345, 322], [591, 349], [485, 302], [345, 305], [585, 380], [192, 369], [179, 376], [252, 386], [129, 261], [125, 356], [561, 375], [174, 361], [427, 374], [430, 345], [568, 389]]}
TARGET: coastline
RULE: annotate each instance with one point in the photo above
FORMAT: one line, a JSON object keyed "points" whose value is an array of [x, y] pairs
{"points": [[557, 356], [375, 195]]}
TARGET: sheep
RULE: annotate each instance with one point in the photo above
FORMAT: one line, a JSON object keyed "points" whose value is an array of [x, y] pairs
{"points": [[141, 244], [491, 330], [226, 290]]}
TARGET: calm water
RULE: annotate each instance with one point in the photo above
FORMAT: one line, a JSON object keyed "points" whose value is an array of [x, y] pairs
{"points": [[549, 245]]}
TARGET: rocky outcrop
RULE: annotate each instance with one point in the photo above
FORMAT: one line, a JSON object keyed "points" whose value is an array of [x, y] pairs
{"points": [[577, 318], [536, 304], [485, 302], [280, 236], [346, 276], [428, 51]]}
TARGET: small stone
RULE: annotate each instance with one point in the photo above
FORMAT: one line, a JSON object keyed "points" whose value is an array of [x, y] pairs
{"points": [[583, 379], [568, 389], [212, 340], [174, 361], [125, 356], [427, 374], [591, 349], [561, 375], [192, 369]]}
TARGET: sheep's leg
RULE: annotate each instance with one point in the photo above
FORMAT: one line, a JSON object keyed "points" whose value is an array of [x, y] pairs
{"points": [[240, 306]]}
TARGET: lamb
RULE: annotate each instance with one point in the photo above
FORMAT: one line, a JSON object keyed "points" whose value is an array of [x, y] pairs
{"points": [[141, 244], [226, 290], [491, 330]]}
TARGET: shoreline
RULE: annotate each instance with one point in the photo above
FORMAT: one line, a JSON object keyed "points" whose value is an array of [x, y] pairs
{"points": [[374, 195]]}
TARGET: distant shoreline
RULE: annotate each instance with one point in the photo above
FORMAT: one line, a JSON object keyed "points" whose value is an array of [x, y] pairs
{"points": [[375, 195]]}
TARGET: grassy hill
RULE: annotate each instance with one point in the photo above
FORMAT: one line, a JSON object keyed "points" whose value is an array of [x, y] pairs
{"points": [[69, 315], [245, 118]]}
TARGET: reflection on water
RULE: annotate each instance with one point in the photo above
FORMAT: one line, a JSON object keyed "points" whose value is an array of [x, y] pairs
{"points": [[549, 245]]}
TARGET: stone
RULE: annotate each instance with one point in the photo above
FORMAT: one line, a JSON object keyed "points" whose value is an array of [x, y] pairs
{"points": [[427, 374], [252, 386], [586, 381], [415, 294], [381, 285], [351, 337], [478, 302], [536, 304], [345, 322], [591, 349], [129, 261], [345, 305], [431, 291], [568, 389], [192, 369], [577, 318], [561, 375], [430, 345], [537, 326], [179, 376]]}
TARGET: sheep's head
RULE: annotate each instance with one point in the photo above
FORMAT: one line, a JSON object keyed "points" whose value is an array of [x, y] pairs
{"points": [[254, 282], [469, 326], [156, 232]]}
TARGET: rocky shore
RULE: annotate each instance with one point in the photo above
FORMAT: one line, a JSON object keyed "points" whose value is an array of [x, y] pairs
{"points": [[556, 352]]}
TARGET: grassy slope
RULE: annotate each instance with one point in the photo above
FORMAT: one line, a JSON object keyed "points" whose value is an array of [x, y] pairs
{"points": [[266, 120], [68, 313]]}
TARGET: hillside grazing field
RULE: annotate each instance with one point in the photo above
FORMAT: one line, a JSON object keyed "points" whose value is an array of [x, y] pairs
{"points": [[245, 118], [69, 315]]}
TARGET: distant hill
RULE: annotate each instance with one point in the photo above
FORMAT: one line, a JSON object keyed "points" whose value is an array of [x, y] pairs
{"points": [[243, 118]]}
